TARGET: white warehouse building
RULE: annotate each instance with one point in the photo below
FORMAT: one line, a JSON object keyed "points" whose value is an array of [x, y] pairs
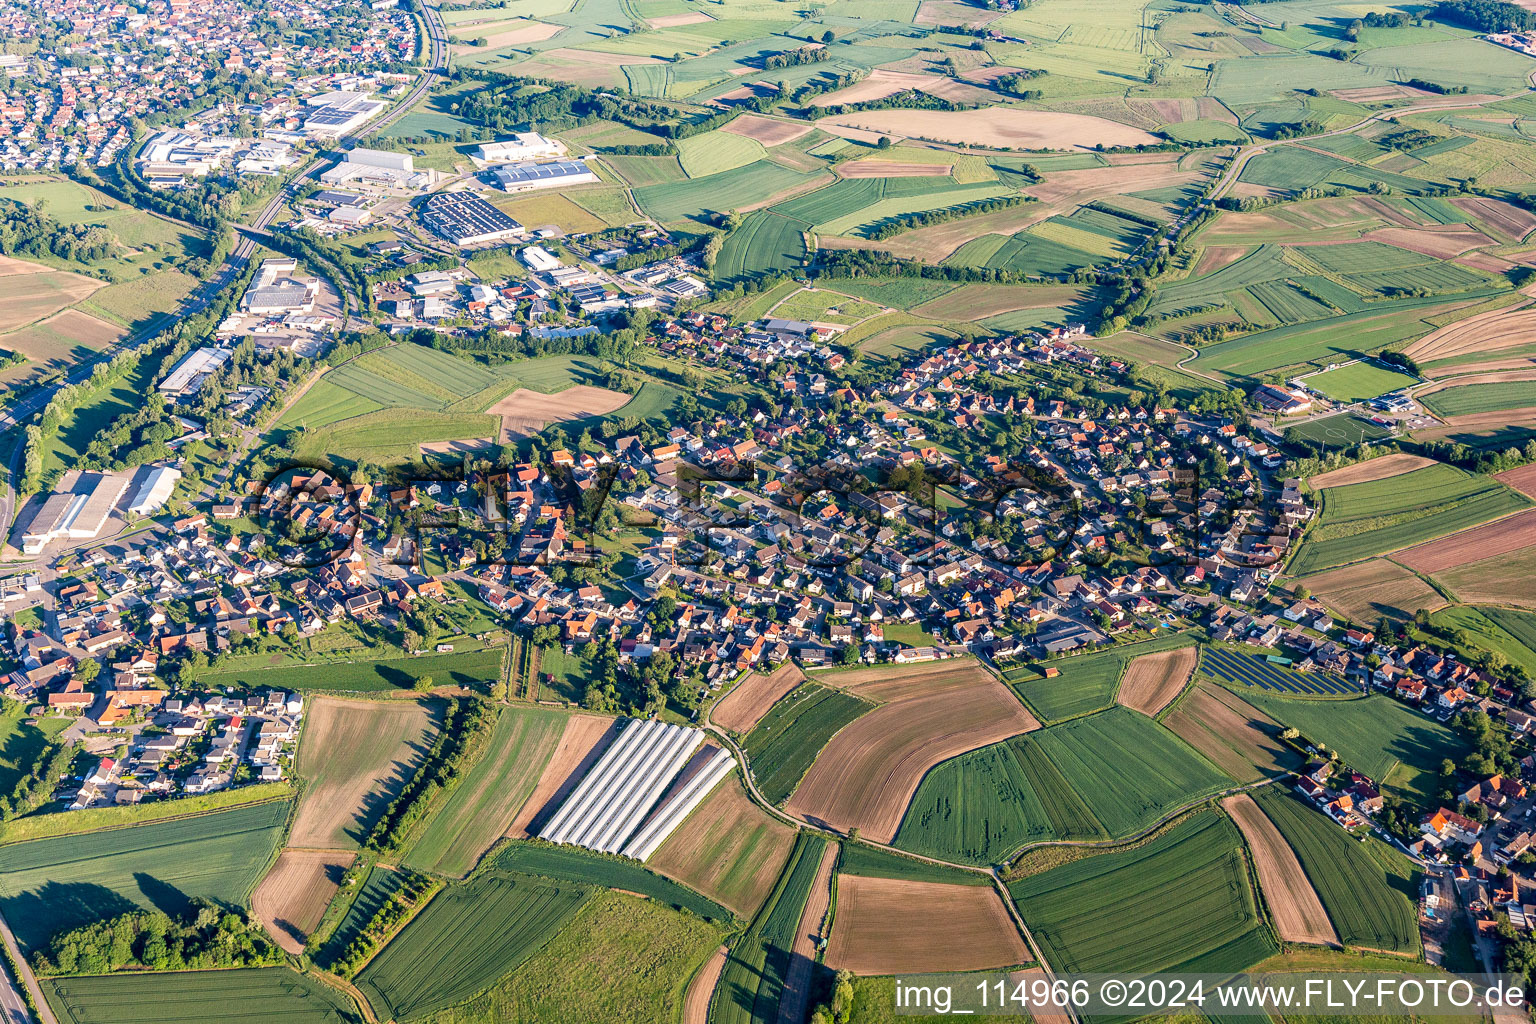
{"points": [[155, 491], [521, 146]]}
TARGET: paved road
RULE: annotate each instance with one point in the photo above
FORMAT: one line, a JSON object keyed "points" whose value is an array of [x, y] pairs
{"points": [[45, 1012]]}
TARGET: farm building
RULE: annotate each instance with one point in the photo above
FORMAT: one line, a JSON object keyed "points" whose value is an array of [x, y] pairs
{"points": [[465, 219], [609, 808], [527, 176], [521, 146]]}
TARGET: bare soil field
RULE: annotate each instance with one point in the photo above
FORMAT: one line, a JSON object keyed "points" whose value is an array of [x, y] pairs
{"points": [[1500, 537], [867, 773], [890, 169], [935, 242], [1492, 331], [356, 754], [1365, 591], [1152, 681], [995, 126], [795, 1000], [766, 130], [893, 926], [1237, 737], [1374, 469], [696, 1002], [729, 849], [581, 744], [291, 898], [1503, 217], [524, 413], [1452, 240], [882, 83], [955, 13], [742, 708], [56, 339], [41, 294], [1214, 257], [1522, 479], [1293, 904], [1475, 421], [1062, 189], [1503, 579], [672, 20]]}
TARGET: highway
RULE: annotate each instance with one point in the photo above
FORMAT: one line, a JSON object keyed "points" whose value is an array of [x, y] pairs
{"points": [[232, 269]]}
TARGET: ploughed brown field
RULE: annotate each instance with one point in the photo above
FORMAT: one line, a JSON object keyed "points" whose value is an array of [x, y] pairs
{"points": [[1293, 904], [896, 926], [292, 897], [1500, 537], [1492, 331], [751, 698], [581, 744], [1503, 579], [1367, 590], [866, 775], [729, 849], [795, 1000], [1234, 735], [696, 1003], [1522, 479], [1373, 469], [767, 130], [1152, 681], [526, 412]]}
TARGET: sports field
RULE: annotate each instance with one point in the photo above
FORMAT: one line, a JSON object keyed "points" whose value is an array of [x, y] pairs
{"points": [[1359, 381]]}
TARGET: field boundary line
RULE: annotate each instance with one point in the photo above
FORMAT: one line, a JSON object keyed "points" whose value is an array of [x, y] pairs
{"points": [[154, 821]]}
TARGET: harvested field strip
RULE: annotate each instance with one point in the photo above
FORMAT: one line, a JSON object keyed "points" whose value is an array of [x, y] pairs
{"points": [[781, 748], [469, 935], [1368, 907], [483, 804], [1293, 904], [1153, 681], [1522, 479], [741, 709], [1232, 734], [866, 775], [895, 926], [356, 755], [293, 896], [1382, 468], [729, 849], [1195, 873]]}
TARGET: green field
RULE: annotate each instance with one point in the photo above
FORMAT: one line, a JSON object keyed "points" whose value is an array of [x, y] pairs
{"points": [[1370, 906], [484, 802], [620, 960], [471, 934], [1501, 630], [375, 892], [1399, 748], [268, 995], [781, 747], [717, 151], [20, 745], [1475, 398], [1103, 776], [1087, 682], [870, 861], [1360, 520], [568, 863], [764, 243], [752, 982], [717, 193], [1195, 877], [461, 668], [1359, 381], [52, 885]]}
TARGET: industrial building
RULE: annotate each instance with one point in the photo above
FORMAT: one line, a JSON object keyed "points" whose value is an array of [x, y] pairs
{"points": [[276, 290], [373, 167], [169, 158], [539, 259], [521, 146], [155, 491], [465, 219], [186, 377], [610, 810], [334, 114], [76, 511], [525, 177]]}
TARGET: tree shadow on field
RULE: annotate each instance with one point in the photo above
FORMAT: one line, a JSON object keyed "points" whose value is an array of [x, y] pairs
{"points": [[39, 914], [162, 895], [405, 767]]}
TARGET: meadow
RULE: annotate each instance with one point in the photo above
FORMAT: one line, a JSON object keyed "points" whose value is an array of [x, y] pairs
{"points": [[52, 885], [1371, 906], [1087, 682], [268, 995], [1479, 398], [1360, 520], [781, 747], [1196, 876], [1505, 631], [460, 668], [471, 934]]}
